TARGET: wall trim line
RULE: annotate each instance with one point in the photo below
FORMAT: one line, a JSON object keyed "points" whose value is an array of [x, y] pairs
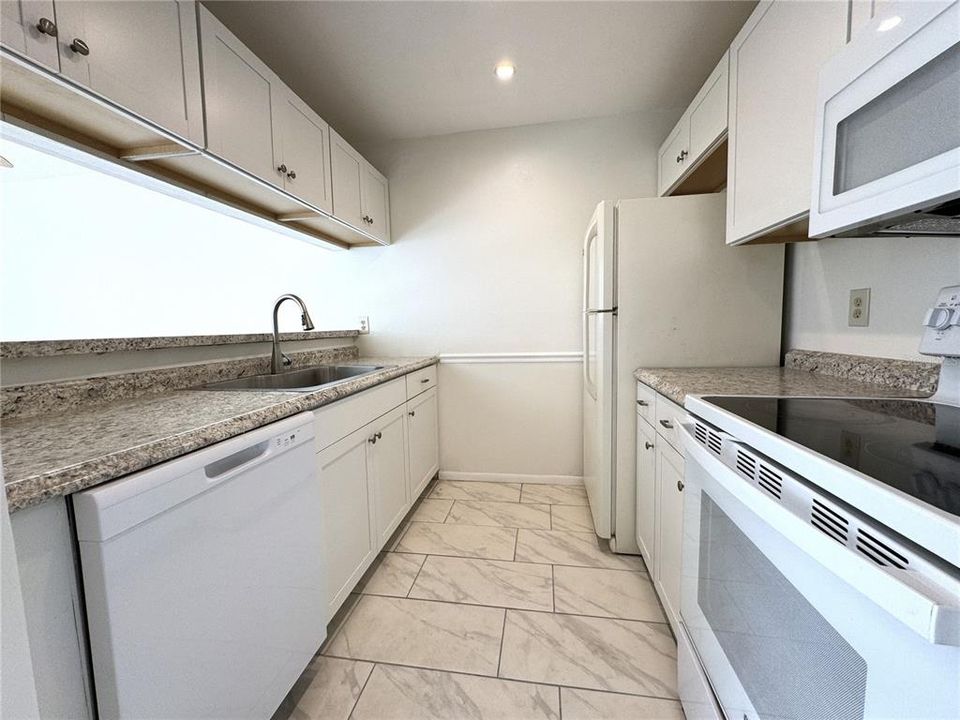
{"points": [[572, 356], [511, 478]]}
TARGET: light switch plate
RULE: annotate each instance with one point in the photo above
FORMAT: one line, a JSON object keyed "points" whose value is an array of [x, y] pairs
{"points": [[858, 314]]}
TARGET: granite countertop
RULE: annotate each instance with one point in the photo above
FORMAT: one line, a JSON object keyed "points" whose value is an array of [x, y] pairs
{"points": [[57, 454], [677, 383]]}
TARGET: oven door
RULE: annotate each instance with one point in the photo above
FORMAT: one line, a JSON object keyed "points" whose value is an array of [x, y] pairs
{"points": [[887, 136], [778, 633]]}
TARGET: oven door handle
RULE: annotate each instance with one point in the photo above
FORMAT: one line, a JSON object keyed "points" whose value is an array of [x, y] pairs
{"points": [[931, 611]]}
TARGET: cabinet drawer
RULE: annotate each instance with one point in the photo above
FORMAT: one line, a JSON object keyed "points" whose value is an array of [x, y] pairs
{"points": [[421, 380], [669, 416], [646, 402], [339, 419]]}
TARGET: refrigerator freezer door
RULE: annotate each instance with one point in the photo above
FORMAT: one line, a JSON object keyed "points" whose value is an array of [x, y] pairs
{"points": [[598, 353]]}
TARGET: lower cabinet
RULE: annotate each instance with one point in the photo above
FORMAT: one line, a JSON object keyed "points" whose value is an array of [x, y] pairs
{"points": [[370, 476], [646, 492], [422, 440], [670, 528]]}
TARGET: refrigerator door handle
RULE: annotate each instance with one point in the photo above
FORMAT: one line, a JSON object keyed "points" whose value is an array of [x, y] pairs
{"points": [[612, 311]]}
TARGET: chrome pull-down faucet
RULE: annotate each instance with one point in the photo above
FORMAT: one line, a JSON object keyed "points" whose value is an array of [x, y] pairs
{"points": [[278, 359]]}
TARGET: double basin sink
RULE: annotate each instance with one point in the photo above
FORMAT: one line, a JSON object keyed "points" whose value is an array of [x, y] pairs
{"points": [[305, 380]]}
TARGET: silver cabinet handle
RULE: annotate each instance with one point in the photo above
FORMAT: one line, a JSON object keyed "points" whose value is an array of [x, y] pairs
{"points": [[80, 47], [292, 175], [680, 485], [425, 380], [667, 424], [648, 445], [47, 27], [282, 168], [642, 403]]}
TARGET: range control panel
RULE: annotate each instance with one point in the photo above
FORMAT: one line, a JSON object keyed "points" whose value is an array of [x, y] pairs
{"points": [[941, 335]]}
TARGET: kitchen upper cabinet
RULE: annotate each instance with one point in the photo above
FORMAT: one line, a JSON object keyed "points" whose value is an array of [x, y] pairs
{"points": [[670, 527], [239, 91], [422, 434], [774, 63], [304, 156], [343, 470], [347, 165], [387, 460], [360, 193], [646, 492], [29, 28], [143, 56], [686, 162], [376, 202]]}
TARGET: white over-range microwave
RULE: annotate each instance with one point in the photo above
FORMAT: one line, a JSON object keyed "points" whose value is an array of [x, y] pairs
{"points": [[887, 147]]}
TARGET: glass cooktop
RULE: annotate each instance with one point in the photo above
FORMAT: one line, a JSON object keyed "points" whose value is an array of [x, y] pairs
{"points": [[910, 445]]}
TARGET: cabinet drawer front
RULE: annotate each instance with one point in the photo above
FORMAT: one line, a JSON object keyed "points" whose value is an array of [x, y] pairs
{"points": [[646, 402], [669, 416], [341, 418], [421, 380]]}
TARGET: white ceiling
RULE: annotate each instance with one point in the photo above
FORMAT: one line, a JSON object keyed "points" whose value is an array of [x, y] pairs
{"points": [[386, 70]]}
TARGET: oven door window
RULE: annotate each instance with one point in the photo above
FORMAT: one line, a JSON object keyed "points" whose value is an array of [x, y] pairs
{"points": [[872, 142], [791, 662]]}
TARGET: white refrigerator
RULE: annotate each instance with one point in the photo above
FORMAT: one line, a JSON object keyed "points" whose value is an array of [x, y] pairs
{"points": [[662, 289]]}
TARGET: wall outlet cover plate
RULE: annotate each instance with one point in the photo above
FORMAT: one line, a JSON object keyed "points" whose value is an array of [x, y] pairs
{"points": [[858, 313]]}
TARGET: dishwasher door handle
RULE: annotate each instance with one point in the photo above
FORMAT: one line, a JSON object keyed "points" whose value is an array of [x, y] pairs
{"points": [[231, 462]]}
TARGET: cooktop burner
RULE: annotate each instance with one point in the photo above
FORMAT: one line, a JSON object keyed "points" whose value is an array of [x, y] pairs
{"points": [[910, 445]]}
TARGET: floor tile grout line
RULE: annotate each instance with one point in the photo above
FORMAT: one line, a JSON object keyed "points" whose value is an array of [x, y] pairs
{"points": [[553, 587], [506, 679], [360, 694], [512, 607], [529, 562], [503, 631], [417, 576]]}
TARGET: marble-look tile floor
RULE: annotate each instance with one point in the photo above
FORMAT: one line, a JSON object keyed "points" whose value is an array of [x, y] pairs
{"points": [[495, 601]]}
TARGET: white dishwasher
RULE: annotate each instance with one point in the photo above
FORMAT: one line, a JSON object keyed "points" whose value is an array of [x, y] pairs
{"points": [[204, 578]]}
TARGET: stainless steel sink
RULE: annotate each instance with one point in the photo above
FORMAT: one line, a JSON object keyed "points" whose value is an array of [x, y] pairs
{"points": [[305, 380]]}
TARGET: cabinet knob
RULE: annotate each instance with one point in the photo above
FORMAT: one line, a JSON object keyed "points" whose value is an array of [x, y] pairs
{"points": [[282, 168], [683, 154], [648, 445], [378, 435], [667, 424], [292, 175], [680, 485], [80, 47], [412, 413], [642, 403], [47, 27], [372, 439], [425, 380]]}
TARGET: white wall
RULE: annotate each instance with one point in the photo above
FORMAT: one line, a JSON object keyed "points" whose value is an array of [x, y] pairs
{"points": [[86, 255], [487, 229], [904, 275]]}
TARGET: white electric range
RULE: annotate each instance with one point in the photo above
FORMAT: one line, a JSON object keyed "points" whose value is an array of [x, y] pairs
{"points": [[821, 551]]}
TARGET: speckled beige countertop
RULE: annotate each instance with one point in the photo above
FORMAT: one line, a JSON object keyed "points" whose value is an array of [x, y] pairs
{"points": [[59, 453], [677, 383]]}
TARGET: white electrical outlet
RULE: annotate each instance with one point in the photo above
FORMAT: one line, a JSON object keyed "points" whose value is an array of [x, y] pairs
{"points": [[364, 324], [858, 314]]}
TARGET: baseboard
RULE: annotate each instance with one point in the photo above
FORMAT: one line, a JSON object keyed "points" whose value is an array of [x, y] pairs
{"points": [[511, 478]]}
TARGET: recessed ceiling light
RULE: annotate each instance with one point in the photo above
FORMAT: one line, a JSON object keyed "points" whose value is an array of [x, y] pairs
{"points": [[505, 70], [890, 23]]}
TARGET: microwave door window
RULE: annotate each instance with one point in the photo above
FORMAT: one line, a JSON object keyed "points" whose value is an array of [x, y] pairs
{"points": [[912, 121], [790, 661]]}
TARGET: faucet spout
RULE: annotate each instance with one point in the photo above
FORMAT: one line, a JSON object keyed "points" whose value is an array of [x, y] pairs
{"points": [[277, 358]]}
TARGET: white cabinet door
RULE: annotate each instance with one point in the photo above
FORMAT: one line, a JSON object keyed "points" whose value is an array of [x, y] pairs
{"points": [[143, 56], [422, 441], [708, 114], [347, 166], [388, 471], [20, 30], [670, 524], [304, 150], [647, 492], [348, 527], [673, 155], [376, 203], [238, 99], [774, 63]]}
